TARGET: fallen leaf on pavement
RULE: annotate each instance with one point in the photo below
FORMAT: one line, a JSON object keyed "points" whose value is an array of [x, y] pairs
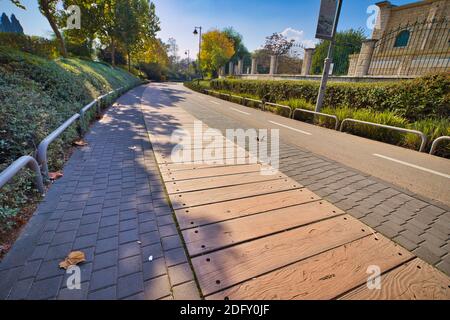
{"points": [[73, 259], [80, 143], [55, 175]]}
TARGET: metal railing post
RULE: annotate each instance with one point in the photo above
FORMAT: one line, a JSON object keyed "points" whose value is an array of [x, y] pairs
{"points": [[335, 118], [25, 161], [384, 126], [436, 143], [41, 154]]}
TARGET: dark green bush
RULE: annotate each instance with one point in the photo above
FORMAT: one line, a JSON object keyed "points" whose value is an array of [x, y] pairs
{"points": [[31, 44], [417, 99], [36, 96]]}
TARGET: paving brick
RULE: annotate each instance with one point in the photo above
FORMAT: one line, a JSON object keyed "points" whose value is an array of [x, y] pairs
{"points": [[154, 250], [154, 268], [128, 236], [21, 289], [405, 242], [45, 289], [130, 285], [103, 278], [171, 242], [157, 288], [180, 274], [30, 269], [175, 256], [109, 293], [85, 242], [108, 232], [130, 265], [186, 291], [444, 266], [106, 245], [74, 294], [105, 260]]}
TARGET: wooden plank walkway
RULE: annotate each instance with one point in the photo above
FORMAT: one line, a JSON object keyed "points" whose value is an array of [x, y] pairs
{"points": [[251, 236]]}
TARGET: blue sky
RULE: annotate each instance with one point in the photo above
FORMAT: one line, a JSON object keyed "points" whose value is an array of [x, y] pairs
{"points": [[254, 19]]}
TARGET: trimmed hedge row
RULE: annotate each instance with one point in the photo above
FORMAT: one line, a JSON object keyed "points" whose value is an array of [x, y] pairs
{"points": [[416, 99]]}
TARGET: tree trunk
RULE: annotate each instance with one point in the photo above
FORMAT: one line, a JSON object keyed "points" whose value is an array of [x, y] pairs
{"points": [[44, 6], [129, 61], [113, 54]]}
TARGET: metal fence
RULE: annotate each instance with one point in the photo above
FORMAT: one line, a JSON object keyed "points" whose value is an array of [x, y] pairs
{"points": [[413, 49], [39, 165]]}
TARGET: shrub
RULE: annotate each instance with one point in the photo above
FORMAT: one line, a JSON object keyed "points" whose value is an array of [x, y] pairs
{"points": [[297, 104], [31, 44], [36, 96], [433, 128], [417, 99]]}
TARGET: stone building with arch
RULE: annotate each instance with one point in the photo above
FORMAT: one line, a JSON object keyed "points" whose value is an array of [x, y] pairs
{"points": [[407, 41]]}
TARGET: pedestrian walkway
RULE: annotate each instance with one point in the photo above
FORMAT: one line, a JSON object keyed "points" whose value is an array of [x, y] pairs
{"points": [[267, 237], [111, 205], [144, 220]]}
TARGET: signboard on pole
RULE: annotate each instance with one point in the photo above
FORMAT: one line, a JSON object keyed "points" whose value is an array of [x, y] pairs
{"points": [[327, 15]]}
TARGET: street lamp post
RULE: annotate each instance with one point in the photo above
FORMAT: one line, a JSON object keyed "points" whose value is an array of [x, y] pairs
{"points": [[198, 31], [328, 60], [188, 53]]}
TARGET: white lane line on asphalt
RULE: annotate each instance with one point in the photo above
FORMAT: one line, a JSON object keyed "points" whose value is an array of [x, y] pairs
{"points": [[237, 110], [214, 102], [413, 166], [287, 127]]}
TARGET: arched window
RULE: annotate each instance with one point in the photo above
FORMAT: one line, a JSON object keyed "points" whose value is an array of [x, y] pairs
{"points": [[402, 39]]}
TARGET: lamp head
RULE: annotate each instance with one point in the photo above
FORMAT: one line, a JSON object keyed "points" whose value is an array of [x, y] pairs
{"points": [[195, 31]]}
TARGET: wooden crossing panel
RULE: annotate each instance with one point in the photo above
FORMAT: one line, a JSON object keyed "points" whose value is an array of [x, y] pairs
{"points": [[251, 236], [198, 198], [218, 182], [322, 277], [213, 213], [219, 235], [211, 172], [415, 280], [222, 269]]}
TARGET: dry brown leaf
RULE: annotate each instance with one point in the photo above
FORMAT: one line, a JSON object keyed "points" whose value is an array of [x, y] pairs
{"points": [[73, 259], [80, 143], [55, 175]]}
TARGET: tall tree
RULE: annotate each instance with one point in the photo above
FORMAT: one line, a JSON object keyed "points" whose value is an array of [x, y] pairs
{"points": [[49, 10], [217, 49], [5, 24], [240, 51], [15, 25], [278, 45]]}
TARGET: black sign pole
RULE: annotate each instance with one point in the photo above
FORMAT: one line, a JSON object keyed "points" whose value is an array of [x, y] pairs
{"points": [[328, 60]]}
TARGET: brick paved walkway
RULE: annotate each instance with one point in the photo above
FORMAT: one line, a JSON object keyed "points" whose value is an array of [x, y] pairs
{"points": [[418, 224], [111, 205]]}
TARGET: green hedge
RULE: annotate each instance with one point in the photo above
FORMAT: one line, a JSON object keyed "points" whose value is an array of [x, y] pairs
{"points": [[417, 99], [36, 96]]}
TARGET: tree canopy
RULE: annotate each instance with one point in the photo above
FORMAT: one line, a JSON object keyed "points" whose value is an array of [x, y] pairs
{"points": [[347, 43], [217, 50]]}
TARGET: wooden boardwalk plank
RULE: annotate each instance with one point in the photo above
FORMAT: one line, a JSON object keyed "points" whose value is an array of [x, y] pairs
{"points": [[228, 267], [212, 237], [322, 277], [218, 182], [211, 172], [198, 198], [416, 280], [198, 216]]}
